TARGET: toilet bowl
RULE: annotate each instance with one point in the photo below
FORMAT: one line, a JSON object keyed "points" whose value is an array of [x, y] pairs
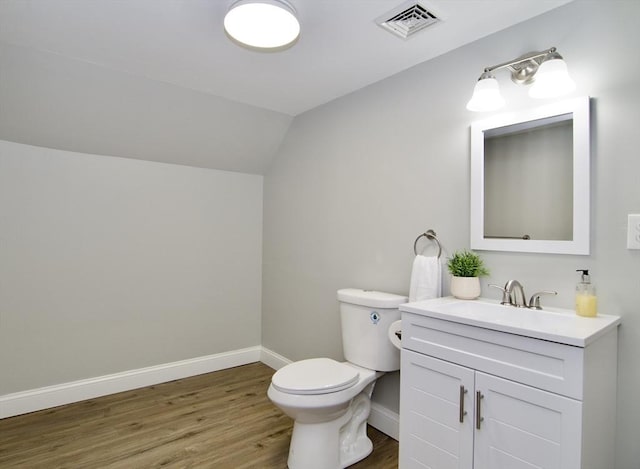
{"points": [[330, 401], [320, 413]]}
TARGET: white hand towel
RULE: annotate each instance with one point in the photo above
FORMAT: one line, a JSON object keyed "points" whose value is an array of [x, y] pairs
{"points": [[426, 278]]}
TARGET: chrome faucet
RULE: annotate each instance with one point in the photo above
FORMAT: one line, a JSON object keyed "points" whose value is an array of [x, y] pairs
{"points": [[513, 295], [515, 290], [534, 302]]}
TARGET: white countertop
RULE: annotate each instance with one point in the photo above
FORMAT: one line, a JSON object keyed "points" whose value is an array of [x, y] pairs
{"points": [[553, 324]]}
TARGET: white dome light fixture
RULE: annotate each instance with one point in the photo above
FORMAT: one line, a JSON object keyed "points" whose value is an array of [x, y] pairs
{"points": [[545, 70], [552, 78], [486, 95], [266, 25]]}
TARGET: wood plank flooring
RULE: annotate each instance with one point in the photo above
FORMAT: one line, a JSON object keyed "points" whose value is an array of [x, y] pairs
{"points": [[217, 420]]}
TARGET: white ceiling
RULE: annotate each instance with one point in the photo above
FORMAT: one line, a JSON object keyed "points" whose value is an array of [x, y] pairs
{"points": [[182, 42]]}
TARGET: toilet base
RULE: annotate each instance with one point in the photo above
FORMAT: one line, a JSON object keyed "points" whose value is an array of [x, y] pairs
{"points": [[335, 444]]}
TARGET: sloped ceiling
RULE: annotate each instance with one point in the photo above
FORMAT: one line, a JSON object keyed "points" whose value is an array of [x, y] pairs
{"points": [[159, 80]]}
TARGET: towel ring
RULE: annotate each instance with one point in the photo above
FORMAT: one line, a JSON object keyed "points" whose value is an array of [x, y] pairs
{"points": [[429, 234]]}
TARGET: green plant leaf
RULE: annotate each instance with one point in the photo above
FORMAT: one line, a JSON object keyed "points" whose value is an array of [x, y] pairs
{"points": [[466, 264]]}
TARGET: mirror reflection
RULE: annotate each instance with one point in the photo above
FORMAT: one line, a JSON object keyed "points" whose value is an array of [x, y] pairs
{"points": [[530, 180], [528, 177]]}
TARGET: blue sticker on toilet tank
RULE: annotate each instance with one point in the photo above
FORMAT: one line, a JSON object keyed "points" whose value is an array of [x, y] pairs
{"points": [[375, 317]]}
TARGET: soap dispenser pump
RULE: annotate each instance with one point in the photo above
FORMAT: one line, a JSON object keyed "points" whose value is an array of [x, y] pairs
{"points": [[586, 300]]}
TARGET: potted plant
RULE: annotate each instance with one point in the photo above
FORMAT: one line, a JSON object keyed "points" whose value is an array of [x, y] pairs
{"points": [[466, 267]]}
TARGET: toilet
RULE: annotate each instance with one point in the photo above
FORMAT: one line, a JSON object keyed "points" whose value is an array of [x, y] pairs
{"points": [[330, 401]]}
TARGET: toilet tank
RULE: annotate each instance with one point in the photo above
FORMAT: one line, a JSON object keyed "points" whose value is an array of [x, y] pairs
{"points": [[366, 316]]}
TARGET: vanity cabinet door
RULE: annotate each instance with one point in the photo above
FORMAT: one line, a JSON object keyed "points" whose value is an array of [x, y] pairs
{"points": [[524, 427], [436, 408], [453, 417]]}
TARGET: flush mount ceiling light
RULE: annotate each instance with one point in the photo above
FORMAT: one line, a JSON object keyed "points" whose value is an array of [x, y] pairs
{"points": [[266, 25], [545, 71]]}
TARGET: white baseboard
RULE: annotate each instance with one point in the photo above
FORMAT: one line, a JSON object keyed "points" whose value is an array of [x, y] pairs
{"points": [[66, 393], [385, 420], [52, 396], [272, 359]]}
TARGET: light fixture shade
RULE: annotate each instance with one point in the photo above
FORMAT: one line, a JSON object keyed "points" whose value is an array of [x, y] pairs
{"points": [[262, 24], [486, 96], [552, 80]]}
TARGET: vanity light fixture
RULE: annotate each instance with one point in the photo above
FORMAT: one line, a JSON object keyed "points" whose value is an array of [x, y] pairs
{"points": [[266, 25], [545, 71]]}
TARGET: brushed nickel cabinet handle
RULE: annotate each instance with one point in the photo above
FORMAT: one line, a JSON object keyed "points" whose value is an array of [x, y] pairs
{"points": [[463, 412], [479, 418]]}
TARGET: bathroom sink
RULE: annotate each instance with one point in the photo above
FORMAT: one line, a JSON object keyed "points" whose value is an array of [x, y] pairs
{"points": [[553, 324]]}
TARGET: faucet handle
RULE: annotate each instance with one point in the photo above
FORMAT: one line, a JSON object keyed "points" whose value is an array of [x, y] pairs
{"points": [[534, 302], [506, 299]]}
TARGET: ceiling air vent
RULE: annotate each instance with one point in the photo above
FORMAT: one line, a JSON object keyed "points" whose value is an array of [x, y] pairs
{"points": [[407, 19]]}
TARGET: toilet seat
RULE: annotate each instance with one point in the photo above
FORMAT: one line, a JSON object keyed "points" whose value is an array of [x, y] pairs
{"points": [[315, 376]]}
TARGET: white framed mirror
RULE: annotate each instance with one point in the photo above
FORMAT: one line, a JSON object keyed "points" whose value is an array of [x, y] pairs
{"points": [[530, 180]]}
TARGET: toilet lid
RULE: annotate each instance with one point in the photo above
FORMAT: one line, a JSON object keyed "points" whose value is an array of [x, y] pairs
{"points": [[314, 376]]}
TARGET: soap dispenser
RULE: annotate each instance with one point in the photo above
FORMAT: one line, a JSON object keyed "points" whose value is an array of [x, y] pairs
{"points": [[586, 300]]}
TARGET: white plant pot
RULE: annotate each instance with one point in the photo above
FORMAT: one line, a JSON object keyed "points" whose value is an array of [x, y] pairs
{"points": [[465, 288]]}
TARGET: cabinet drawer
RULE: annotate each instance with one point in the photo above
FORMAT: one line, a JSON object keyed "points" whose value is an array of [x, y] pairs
{"points": [[545, 365]]}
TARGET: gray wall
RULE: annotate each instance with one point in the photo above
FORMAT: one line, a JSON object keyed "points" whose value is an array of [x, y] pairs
{"points": [[111, 264], [57, 102], [359, 178]]}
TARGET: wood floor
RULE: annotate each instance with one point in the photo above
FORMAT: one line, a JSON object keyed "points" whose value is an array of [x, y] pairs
{"points": [[217, 420]]}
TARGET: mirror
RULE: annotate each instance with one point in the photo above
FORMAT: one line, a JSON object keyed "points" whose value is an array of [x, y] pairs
{"points": [[530, 180]]}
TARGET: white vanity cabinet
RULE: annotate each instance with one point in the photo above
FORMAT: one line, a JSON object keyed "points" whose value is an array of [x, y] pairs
{"points": [[481, 398]]}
